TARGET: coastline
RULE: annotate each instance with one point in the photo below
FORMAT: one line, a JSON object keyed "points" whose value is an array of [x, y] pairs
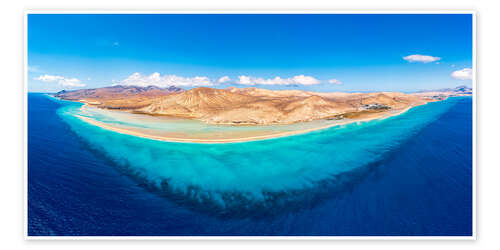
{"points": [[231, 140]]}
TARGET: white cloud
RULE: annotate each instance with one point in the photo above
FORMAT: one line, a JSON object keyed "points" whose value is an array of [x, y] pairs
{"points": [[224, 79], [165, 81], [71, 82], [245, 80], [61, 80], [49, 78], [34, 69], [463, 74], [421, 58], [334, 81], [300, 79], [305, 80]]}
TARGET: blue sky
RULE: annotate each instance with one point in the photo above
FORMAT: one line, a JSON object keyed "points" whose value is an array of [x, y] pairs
{"points": [[356, 52]]}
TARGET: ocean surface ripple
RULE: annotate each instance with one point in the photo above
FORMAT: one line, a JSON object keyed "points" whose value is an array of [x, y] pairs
{"points": [[260, 179], [265, 173]]}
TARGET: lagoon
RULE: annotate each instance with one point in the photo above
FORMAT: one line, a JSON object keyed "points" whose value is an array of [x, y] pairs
{"points": [[371, 178]]}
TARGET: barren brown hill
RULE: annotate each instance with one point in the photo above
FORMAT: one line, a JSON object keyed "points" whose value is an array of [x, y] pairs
{"points": [[259, 106], [238, 106], [118, 97], [268, 93], [197, 103]]}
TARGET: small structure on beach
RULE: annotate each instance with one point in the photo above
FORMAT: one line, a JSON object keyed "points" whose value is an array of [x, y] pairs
{"points": [[375, 106]]}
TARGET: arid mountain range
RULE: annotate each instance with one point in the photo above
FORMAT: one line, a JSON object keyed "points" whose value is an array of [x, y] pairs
{"points": [[238, 106], [440, 94], [118, 97]]}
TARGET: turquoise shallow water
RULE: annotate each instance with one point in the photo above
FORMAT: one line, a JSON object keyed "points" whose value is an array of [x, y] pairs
{"points": [[258, 171], [408, 175], [173, 127]]}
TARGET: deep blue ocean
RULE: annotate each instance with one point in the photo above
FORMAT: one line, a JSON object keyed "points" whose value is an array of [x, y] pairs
{"points": [[408, 175]]}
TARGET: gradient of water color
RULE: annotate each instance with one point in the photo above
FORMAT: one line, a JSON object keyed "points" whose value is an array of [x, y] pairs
{"points": [[186, 128], [406, 175]]}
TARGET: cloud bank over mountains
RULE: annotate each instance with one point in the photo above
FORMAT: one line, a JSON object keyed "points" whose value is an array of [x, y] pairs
{"points": [[156, 79], [299, 79]]}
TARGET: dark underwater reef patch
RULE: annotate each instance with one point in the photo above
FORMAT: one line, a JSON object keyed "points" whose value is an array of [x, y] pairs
{"points": [[237, 204]]}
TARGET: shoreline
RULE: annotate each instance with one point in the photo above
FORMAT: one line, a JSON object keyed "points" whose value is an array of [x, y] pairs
{"points": [[230, 140]]}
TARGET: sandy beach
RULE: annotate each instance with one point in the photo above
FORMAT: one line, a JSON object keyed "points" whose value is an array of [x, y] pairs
{"points": [[210, 115], [133, 132]]}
